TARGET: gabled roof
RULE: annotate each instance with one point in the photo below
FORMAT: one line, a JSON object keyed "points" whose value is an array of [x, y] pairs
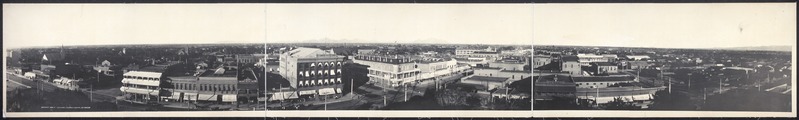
{"points": [[52, 56]]}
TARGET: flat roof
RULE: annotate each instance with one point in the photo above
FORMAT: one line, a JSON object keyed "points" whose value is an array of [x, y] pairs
{"points": [[570, 58], [144, 74], [601, 78], [604, 64], [486, 78], [516, 71]]}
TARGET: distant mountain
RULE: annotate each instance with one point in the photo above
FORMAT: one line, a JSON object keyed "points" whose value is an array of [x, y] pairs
{"points": [[762, 48]]}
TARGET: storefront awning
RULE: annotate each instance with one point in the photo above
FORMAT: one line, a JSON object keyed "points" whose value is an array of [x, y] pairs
{"points": [[283, 96], [308, 92], [327, 91]]}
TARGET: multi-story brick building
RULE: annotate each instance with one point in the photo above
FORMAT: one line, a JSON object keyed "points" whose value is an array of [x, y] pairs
{"points": [[312, 71]]}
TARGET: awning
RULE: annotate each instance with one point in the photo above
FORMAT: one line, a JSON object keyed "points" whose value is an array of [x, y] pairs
{"points": [[308, 92], [142, 82], [211, 97], [138, 91], [186, 96], [283, 96], [327, 91], [206, 97], [229, 98]]}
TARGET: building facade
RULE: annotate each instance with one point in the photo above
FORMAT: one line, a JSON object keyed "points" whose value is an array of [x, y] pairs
{"points": [[142, 86], [312, 71], [572, 65], [541, 60], [390, 71]]}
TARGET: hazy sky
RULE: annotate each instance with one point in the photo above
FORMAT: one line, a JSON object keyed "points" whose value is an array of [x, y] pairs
{"points": [[666, 25], [638, 25], [75, 24], [403, 23]]}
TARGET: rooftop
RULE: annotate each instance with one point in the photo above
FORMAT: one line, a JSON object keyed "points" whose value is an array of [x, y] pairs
{"points": [[485, 52], [603, 64], [488, 79], [570, 58], [602, 78], [144, 74], [304, 52], [553, 80]]}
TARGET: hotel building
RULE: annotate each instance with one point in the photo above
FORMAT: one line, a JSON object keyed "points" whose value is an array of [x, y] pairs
{"points": [[390, 71], [312, 71], [142, 86]]}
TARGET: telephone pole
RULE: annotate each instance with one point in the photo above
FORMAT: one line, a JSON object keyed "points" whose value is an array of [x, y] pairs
{"points": [[689, 80], [669, 85]]}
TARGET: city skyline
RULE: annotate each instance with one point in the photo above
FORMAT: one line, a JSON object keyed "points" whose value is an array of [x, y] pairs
{"points": [[666, 25]]}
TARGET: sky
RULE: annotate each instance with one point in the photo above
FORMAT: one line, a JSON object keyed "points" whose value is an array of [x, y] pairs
{"points": [[666, 25], [624, 25], [400, 23], [26, 25]]}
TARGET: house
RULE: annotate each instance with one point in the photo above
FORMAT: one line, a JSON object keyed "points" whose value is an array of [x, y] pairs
{"points": [[571, 64], [604, 68]]}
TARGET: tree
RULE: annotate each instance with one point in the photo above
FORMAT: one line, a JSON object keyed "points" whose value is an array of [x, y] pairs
{"points": [[663, 100], [619, 104]]}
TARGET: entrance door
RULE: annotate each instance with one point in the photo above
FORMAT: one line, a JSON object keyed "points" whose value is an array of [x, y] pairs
{"points": [[180, 99], [219, 98]]}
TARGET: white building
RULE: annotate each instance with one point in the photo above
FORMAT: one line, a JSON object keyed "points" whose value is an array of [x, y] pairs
{"points": [[141, 86], [390, 71]]}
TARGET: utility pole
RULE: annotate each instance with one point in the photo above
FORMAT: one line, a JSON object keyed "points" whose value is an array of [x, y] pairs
{"points": [[406, 92], [596, 98], [689, 80], [720, 85], [91, 94], [669, 85], [704, 95], [352, 86]]}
